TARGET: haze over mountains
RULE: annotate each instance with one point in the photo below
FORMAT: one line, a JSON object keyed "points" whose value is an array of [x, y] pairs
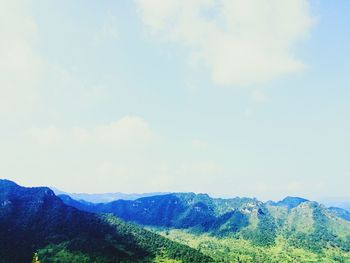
{"points": [[109, 197], [337, 202], [104, 197]]}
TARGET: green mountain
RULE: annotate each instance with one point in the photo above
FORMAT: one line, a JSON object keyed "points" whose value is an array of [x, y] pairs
{"points": [[199, 213], [289, 202], [312, 226], [34, 220], [299, 222]]}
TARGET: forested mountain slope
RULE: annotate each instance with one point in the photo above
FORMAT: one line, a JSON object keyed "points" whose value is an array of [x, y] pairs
{"points": [[300, 222], [35, 220]]}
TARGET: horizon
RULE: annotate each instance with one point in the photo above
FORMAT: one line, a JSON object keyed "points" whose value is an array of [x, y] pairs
{"points": [[341, 202], [219, 97]]}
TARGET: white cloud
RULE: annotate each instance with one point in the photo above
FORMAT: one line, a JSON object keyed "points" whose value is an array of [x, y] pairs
{"points": [[20, 65], [103, 157], [241, 42], [125, 154], [28, 80], [199, 176], [126, 131]]}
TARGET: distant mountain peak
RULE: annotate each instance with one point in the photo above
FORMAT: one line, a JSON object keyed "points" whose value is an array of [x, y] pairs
{"points": [[340, 212], [105, 197], [293, 198], [10, 190], [289, 202], [5, 182]]}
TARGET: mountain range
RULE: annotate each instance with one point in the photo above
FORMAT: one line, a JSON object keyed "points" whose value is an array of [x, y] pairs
{"points": [[104, 197], [33, 221], [109, 197], [173, 227], [299, 220]]}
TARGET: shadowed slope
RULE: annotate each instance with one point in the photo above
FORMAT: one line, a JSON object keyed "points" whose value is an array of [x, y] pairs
{"points": [[32, 219]]}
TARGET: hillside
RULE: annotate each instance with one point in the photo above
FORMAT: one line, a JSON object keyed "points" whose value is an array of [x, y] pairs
{"points": [[200, 212], [35, 220], [243, 251], [299, 222], [312, 226]]}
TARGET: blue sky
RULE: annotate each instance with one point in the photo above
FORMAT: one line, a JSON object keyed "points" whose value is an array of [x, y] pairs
{"points": [[224, 97]]}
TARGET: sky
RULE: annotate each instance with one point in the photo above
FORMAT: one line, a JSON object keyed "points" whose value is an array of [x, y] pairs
{"points": [[226, 97]]}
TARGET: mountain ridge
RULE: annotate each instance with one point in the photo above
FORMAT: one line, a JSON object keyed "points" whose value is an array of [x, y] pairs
{"points": [[35, 220], [296, 218], [105, 197], [80, 231]]}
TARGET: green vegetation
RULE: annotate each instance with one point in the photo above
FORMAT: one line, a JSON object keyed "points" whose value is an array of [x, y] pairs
{"points": [[60, 253], [264, 233], [199, 213], [241, 250], [318, 229], [157, 245], [302, 225], [35, 225]]}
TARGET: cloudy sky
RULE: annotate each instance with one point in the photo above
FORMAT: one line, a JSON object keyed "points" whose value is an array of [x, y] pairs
{"points": [[228, 97]]}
